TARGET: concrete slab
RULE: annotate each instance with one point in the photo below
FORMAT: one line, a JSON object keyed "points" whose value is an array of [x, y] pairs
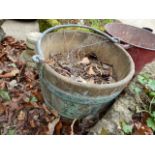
{"points": [[19, 29]]}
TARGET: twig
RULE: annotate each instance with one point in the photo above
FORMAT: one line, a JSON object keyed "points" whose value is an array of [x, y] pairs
{"points": [[72, 126], [51, 126]]}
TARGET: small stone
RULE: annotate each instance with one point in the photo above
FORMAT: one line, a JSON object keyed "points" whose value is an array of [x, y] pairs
{"points": [[32, 39]]}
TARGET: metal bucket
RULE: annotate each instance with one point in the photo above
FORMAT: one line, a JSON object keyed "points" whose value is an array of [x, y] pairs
{"points": [[141, 41], [70, 98]]}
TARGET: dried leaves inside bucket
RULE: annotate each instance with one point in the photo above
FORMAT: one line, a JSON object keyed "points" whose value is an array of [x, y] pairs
{"points": [[86, 69]]}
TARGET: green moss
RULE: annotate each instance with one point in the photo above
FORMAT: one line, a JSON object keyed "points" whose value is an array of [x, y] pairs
{"points": [[104, 131], [95, 23], [47, 23]]}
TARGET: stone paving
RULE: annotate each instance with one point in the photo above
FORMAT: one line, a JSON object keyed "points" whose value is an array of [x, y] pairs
{"points": [[19, 29]]}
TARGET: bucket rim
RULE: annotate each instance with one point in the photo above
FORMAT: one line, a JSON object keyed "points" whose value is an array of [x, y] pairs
{"points": [[121, 82]]}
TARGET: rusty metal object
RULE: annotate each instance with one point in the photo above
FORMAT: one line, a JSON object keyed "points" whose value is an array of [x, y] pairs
{"points": [[132, 35], [71, 98]]}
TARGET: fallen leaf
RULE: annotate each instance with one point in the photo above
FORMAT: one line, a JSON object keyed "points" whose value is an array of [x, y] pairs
{"points": [[51, 126], [38, 95], [85, 61], [11, 132], [14, 72], [12, 65], [127, 128], [10, 74], [26, 99], [32, 123], [12, 84], [13, 105], [11, 58], [151, 123], [2, 109], [58, 128], [2, 84], [5, 95], [21, 116], [1, 71], [2, 55], [142, 129], [91, 71], [33, 99]]}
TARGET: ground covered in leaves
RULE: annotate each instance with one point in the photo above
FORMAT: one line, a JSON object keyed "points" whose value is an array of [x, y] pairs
{"points": [[22, 108]]}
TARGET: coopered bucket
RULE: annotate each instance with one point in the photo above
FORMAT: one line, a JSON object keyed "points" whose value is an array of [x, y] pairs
{"points": [[70, 98]]}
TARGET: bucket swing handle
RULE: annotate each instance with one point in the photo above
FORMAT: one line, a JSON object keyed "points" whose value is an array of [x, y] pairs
{"points": [[39, 58]]}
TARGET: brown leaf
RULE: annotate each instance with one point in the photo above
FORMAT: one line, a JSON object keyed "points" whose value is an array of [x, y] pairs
{"points": [[21, 115], [58, 128], [2, 109], [11, 58], [13, 73], [142, 129], [85, 61], [13, 105], [38, 95], [91, 71], [32, 123], [2, 55]]}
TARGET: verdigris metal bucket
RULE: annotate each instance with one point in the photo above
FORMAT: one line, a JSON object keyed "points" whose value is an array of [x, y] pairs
{"points": [[70, 98]]}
